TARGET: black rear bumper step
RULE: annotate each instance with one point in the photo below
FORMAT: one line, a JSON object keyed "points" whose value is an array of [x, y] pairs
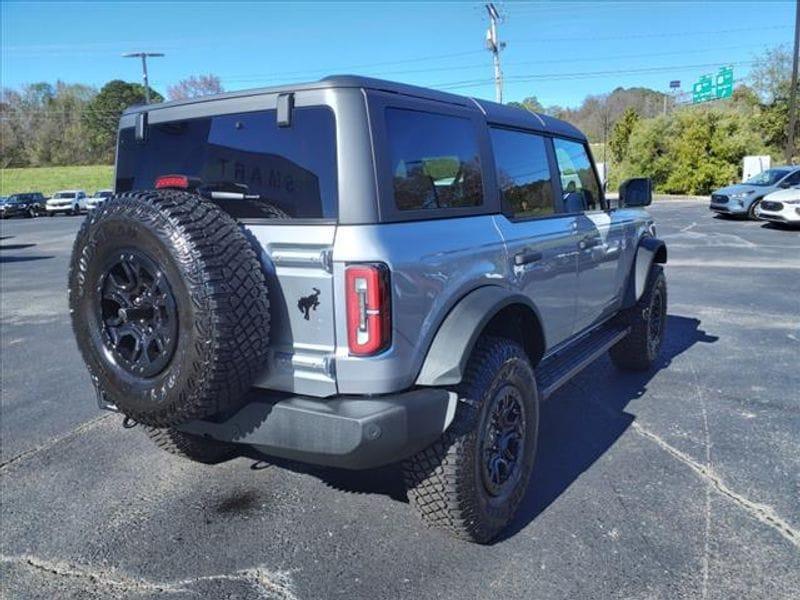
{"points": [[351, 432], [557, 369]]}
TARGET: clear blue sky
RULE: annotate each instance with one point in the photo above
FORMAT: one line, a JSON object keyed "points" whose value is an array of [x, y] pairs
{"points": [[560, 52]]}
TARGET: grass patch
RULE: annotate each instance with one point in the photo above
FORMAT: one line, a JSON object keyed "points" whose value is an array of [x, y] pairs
{"points": [[52, 179]]}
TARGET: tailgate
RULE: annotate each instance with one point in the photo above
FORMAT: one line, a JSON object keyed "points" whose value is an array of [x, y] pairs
{"points": [[300, 283]]}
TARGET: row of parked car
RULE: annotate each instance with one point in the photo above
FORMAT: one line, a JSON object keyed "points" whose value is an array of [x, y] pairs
{"points": [[773, 195], [36, 204]]}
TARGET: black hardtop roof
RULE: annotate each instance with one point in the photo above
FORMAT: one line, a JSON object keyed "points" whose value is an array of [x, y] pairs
{"points": [[494, 112]]}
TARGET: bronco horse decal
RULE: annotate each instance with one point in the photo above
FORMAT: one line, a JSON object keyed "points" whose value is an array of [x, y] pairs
{"points": [[308, 303]]}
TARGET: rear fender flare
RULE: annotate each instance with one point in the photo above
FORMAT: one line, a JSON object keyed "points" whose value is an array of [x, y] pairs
{"points": [[452, 345]]}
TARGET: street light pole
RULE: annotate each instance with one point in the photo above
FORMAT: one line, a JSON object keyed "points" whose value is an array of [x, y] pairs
{"points": [[143, 56]]}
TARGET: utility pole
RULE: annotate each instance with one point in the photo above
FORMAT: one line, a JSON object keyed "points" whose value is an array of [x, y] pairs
{"points": [[495, 46], [793, 92], [143, 56], [605, 146]]}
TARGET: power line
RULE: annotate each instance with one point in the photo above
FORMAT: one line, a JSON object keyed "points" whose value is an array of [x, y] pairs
{"points": [[556, 61], [587, 74], [540, 40], [310, 74]]}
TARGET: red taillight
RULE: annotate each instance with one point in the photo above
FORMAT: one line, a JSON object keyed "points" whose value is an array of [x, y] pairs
{"points": [[369, 311], [172, 181]]}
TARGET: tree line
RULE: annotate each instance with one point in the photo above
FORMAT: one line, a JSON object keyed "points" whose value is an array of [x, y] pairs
{"points": [[73, 124], [697, 148], [688, 149], [684, 149]]}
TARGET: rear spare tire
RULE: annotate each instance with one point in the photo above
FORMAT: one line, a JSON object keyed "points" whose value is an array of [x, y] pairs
{"points": [[169, 306]]}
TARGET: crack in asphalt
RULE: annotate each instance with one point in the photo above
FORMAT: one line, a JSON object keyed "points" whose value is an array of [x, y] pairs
{"points": [[707, 444], [266, 584], [83, 427], [761, 512]]}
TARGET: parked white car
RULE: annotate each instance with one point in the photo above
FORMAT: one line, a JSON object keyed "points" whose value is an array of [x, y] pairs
{"points": [[98, 198], [68, 202], [782, 206]]}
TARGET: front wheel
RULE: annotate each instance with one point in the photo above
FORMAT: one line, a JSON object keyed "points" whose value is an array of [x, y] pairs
{"points": [[647, 319], [472, 480], [751, 212]]}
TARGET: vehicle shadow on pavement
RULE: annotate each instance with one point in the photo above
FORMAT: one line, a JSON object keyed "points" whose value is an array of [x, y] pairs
{"points": [[16, 246], [781, 227], [386, 481], [573, 435]]}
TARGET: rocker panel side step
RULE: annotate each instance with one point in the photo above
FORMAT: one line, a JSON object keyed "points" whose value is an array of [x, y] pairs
{"points": [[557, 369]]}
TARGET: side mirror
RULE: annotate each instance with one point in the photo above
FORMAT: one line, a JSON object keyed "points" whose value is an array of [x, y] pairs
{"points": [[636, 192]]}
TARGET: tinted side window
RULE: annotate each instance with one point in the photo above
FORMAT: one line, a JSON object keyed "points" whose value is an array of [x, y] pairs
{"points": [[793, 179], [435, 160], [243, 161], [578, 181], [523, 172]]}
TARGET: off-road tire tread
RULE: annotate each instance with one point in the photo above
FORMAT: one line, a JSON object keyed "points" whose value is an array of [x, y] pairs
{"points": [[630, 353], [226, 285], [440, 480]]}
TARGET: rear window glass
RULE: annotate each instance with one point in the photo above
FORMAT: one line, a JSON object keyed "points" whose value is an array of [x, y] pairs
{"points": [[244, 162], [435, 160]]}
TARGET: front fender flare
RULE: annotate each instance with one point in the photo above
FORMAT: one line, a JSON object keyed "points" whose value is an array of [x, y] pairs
{"points": [[651, 250], [452, 345]]}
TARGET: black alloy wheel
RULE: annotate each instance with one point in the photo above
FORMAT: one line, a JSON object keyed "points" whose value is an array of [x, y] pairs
{"points": [[503, 441], [138, 314]]}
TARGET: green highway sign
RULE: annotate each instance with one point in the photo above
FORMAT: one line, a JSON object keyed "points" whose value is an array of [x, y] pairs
{"points": [[713, 87]]}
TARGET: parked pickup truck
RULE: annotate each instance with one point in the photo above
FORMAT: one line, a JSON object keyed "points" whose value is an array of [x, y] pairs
{"points": [[356, 273]]}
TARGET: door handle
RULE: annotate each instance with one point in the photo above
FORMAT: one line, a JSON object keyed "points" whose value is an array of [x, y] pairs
{"points": [[589, 241], [526, 257]]}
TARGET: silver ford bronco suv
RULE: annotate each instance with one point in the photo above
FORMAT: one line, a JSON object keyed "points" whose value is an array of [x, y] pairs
{"points": [[357, 273]]}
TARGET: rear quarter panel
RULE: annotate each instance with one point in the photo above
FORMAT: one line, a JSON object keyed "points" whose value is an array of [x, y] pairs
{"points": [[433, 265]]}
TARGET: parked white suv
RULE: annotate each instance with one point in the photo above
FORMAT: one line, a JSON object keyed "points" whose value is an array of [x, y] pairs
{"points": [[99, 197], [782, 207], [69, 202]]}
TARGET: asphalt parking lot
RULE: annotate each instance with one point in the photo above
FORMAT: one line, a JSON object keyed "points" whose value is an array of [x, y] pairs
{"points": [[679, 483]]}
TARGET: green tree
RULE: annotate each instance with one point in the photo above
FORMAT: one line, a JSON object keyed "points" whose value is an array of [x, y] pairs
{"points": [[103, 112], [621, 133], [195, 87], [648, 152], [770, 71], [531, 103]]}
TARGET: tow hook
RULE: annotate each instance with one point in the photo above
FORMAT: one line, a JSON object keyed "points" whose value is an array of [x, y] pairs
{"points": [[129, 423]]}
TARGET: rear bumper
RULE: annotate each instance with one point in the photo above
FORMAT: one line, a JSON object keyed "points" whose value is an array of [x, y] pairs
{"points": [[352, 432]]}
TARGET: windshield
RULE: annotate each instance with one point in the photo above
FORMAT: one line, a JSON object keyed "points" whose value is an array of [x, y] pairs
{"points": [[16, 199], [64, 195], [102, 194], [768, 177]]}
